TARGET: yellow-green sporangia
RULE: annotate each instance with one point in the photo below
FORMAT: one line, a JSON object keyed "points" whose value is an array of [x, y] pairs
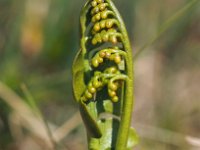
{"points": [[103, 77]]}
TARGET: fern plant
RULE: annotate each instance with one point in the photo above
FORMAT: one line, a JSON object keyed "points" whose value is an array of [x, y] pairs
{"points": [[103, 77]]}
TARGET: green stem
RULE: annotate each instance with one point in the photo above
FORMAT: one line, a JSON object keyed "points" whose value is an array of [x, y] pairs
{"points": [[126, 113], [83, 38]]}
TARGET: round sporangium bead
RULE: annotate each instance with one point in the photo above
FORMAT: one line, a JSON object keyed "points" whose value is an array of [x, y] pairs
{"points": [[90, 85], [97, 27], [98, 16], [115, 99], [109, 23], [98, 38], [100, 60], [102, 6], [112, 57], [92, 90], [102, 24], [108, 55], [88, 94], [113, 39], [95, 10], [93, 19], [112, 69], [112, 86], [111, 93], [117, 59], [102, 54], [94, 3], [105, 37], [99, 1], [104, 15], [95, 62], [96, 73], [96, 84], [103, 32], [94, 41]]}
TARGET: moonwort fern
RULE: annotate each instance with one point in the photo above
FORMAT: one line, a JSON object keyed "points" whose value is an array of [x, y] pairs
{"points": [[103, 77]]}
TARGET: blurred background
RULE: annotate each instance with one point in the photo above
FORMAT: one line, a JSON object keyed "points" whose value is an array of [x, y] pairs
{"points": [[38, 41]]}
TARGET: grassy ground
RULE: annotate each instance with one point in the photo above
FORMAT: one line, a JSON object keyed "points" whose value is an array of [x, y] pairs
{"points": [[38, 41]]}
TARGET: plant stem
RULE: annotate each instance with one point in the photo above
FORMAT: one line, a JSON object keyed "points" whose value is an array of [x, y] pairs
{"points": [[126, 112]]}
